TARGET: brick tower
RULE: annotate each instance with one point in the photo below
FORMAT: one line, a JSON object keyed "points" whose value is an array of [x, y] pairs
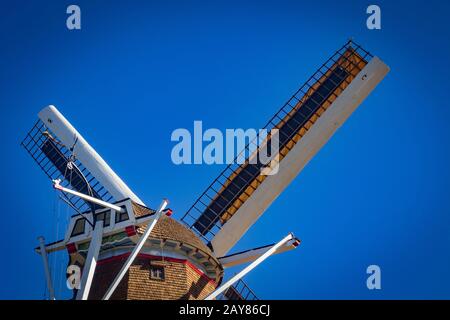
{"points": [[173, 264]]}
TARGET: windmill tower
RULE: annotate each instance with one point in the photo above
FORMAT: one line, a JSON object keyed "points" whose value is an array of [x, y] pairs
{"points": [[127, 250]]}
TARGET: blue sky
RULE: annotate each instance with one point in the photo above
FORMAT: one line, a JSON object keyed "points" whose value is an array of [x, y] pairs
{"points": [[377, 193]]}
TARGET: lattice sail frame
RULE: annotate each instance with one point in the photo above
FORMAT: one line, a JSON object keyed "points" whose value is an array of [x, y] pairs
{"points": [[239, 291], [35, 143], [350, 58]]}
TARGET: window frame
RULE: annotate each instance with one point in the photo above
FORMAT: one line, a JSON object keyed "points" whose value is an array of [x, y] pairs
{"points": [[83, 219], [118, 215], [154, 268], [106, 214]]}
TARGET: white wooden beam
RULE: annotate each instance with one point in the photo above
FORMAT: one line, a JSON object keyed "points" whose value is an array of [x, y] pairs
{"points": [[135, 251], [56, 185], [250, 267], [91, 262], [252, 254], [48, 277]]}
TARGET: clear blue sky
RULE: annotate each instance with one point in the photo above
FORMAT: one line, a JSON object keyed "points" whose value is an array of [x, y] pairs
{"points": [[377, 193]]}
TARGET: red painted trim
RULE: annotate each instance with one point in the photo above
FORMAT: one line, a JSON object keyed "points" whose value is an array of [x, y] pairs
{"points": [[71, 248], [57, 187], [158, 258], [130, 230]]}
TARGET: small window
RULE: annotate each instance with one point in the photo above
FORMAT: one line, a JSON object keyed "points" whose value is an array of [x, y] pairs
{"points": [[79, 227], [121, 216], [157, 272], [104, 216]]}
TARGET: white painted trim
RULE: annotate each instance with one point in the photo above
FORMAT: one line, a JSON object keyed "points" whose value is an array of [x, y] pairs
{"points": [[111, 229], [166, 253], [65, 132], [113, 252], [91, 262], [298, 157]]}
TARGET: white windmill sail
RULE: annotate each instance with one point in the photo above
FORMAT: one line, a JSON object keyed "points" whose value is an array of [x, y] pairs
{"points": [[62, 153], [241, 193]]}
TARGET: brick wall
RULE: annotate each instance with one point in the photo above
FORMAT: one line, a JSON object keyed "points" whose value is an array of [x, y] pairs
{"points": [[199, 287], [181, 280]]}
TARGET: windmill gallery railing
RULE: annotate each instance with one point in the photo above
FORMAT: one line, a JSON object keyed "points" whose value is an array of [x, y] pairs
{"points": [[237, 182]]}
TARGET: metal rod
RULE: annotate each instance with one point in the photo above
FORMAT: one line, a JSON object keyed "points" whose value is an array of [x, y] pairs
{"points": [[135, 251], [91, 262], [56, 185], [250, 267], [48, 277]]}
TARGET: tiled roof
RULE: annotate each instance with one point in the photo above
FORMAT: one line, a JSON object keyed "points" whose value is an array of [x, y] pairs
{"points": [[169, 228]]}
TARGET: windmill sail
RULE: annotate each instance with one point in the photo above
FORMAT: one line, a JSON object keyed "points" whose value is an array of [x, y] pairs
{"points": [[239, 291], [241, 193], [53, 158], [69, 170], [62, 153], [240, 183]]}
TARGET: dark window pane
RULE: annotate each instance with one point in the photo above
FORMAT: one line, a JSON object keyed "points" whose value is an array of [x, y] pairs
{"points": [[79, 227], [122, 216], [157, 272], [104, 216]]}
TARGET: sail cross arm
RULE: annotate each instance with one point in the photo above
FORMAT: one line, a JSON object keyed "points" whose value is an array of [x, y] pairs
{"points": [[252, 254]]}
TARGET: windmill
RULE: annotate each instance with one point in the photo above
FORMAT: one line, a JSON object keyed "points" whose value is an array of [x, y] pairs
{"points": [[127, 250]]}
